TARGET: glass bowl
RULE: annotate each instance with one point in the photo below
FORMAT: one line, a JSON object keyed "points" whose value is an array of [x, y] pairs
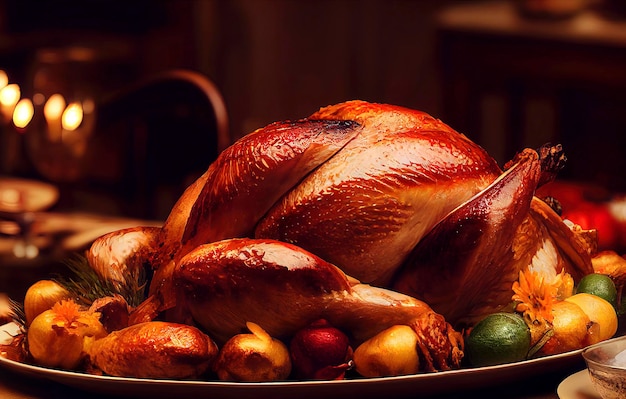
{"points": [[606, 362]]}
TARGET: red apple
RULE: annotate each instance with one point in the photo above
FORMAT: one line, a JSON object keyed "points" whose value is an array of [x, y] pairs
{"points": [[597, 216], [320, 352]]}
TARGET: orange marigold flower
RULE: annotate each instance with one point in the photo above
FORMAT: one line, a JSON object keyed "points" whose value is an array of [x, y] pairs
{"points": [[534, 296], [68, 314], [66, 311]]}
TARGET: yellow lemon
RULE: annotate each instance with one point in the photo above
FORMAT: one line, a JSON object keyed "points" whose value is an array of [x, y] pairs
{"points": [[599, 311], [389, 353], [569, 327]]}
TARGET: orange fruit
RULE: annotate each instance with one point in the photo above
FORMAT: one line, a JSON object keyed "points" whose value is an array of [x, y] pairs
{"points": [[570, 327], [599, 311]]}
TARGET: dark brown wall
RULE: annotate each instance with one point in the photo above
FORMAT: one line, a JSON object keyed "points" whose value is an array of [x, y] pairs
{"points": [[272, 59]]}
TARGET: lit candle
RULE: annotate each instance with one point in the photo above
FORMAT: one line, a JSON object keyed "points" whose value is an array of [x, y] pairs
{"points": [[9, 96], [23, 113], [52, 112], [72, 116]]}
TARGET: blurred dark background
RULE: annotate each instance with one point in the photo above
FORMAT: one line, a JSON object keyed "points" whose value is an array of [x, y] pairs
{"points": [[508, 74]]}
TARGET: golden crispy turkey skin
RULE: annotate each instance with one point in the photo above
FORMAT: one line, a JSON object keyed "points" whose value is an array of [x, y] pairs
{"points": [[284, 288], [466, 265], [250, 176], [365, 208], [241, 185], [153, 349]]}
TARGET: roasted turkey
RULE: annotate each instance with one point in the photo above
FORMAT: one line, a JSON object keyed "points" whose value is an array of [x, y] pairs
{"points": [[360, 212], [478, 250], [151, 349], [285, 288]]}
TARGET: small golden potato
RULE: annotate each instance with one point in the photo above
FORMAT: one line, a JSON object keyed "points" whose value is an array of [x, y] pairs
{"points": [[253, 357], [389, 353]]}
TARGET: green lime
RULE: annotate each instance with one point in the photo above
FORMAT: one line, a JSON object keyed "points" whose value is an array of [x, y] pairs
{"points": [[498, 338], [599, 285]]}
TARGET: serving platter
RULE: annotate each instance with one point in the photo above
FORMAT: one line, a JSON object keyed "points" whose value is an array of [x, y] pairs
{"points": [[417, 385]]}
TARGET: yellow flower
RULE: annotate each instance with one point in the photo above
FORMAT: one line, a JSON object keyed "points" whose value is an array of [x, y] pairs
{"points": [[534, 296], [565, 285]]}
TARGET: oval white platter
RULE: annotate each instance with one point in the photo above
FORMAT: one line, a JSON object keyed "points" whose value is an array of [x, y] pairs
{"points": [[417, 385]]}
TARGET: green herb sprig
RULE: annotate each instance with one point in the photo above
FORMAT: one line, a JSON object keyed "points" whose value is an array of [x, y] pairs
{"points": [[87, 286]]}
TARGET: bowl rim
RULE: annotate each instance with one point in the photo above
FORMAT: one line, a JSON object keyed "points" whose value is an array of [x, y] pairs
{"points": [[602, 344]]}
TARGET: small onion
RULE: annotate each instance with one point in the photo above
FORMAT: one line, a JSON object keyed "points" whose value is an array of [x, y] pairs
{"points": [[57, 336], [253, 357], [41, 296]]}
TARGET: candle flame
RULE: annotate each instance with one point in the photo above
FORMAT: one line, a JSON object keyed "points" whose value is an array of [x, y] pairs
{"points": [[23, 113], [53, 109], [10, 95], [72, 116]]}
